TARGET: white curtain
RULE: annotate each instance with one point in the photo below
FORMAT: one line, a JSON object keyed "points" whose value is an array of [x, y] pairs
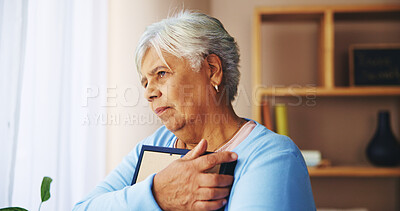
{"points": [[12, 37], [52, 78]]}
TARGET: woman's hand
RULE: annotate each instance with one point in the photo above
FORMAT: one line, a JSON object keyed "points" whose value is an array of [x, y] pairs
{"points": [[184, 185]]}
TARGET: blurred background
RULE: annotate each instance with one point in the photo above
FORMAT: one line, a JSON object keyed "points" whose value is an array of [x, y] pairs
{"points": [[72, 105]]}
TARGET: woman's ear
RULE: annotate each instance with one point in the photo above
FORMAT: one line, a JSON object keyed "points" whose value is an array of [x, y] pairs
{"points": [[214, 62]]}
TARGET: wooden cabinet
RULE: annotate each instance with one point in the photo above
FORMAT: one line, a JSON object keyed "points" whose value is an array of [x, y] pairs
{"points": [[320, 69]]}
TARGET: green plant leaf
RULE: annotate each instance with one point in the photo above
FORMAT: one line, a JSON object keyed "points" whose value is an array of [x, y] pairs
{"points": [[45, 189], [13, 209]]}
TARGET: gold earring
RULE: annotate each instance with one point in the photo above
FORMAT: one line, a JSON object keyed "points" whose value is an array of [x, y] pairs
{"points": [[216, 88]]}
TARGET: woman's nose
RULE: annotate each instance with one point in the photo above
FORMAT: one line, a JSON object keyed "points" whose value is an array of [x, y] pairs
{"points": [[152, 92]]}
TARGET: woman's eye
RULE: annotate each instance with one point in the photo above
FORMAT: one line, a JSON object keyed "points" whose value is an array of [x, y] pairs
{"points": [[161, 73]]}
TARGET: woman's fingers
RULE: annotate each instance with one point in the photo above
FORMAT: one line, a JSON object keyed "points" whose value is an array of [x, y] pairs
{"points": [[185, 179], [192, 188], [214, 180], [206, 162], [207, 194], [196, 152], [209, 205], [209, 161]]}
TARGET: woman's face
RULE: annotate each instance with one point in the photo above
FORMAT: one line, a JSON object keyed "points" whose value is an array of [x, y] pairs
{"points": [[179, 96]]}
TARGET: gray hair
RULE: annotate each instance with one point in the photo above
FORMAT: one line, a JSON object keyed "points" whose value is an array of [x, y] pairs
{"points": [[193, 36]]}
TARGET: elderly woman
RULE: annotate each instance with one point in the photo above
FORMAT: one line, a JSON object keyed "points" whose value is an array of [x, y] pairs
{"points": [[189, 70]]}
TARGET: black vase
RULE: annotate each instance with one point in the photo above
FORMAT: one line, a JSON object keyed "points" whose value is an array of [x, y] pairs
{"points": [[384, 150]]}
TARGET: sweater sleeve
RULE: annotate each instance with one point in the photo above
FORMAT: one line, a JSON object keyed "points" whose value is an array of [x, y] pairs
{"points": [[116, 192], [273, 181]]}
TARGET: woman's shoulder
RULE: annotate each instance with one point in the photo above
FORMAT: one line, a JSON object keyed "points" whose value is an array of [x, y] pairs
{"points": [[266, 149], [264, 141]]}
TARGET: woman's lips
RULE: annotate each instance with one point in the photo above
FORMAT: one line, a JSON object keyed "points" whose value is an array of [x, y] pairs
{"points": [[160, 110]]}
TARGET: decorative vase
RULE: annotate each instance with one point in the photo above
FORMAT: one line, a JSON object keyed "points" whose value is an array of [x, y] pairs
{"points": [[384, 150]]}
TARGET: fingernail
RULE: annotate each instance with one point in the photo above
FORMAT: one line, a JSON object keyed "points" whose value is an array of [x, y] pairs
{"points": [[224, 202], [234, 156]]}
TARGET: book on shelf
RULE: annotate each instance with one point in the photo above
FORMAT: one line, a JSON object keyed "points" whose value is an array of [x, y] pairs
{"points": [[281, 122], [267, 116]]}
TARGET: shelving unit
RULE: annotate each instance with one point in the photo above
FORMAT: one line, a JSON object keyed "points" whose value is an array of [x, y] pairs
{"points": [[326, 78], [330, 82]]}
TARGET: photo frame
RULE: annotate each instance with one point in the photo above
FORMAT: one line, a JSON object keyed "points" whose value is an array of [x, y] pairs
{"points": [[153, 159], [374, 64]]}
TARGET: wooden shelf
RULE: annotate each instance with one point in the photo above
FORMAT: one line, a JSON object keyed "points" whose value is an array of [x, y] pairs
{"points": [[325, 17], [351, 171], [338, 91]]}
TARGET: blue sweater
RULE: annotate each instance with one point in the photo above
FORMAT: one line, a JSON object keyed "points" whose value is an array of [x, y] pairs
{"points": [[270, 175]]}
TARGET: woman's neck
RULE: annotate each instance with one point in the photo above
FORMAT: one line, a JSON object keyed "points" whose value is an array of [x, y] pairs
{"points": [[217, 128]]}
